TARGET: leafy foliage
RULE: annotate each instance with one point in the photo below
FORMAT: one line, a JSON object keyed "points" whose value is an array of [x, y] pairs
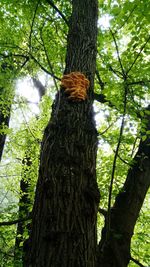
{"points": [[33, 39]]}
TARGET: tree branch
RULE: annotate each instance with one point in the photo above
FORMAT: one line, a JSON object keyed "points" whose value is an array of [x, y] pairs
{"points": [[24, 63], [137, 262], [13, 55], [44, 69], [134, 146], [116, 72], [49, 63], [10, 55], [118, 54], [142, 47], [114, 164], [102, 99], [139, 82], [128, 204], [14, 222], [124, 161], [126, 19], [58, 11], [30, 36], [101, 133], [101, 83]]}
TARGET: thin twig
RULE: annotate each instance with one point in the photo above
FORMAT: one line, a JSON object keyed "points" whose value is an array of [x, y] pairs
{"points": [[137, 262], [58, 11], [139, 82], [15, 221], [115, 161], [100, 98], [124, 161], [106, 129], [32, 24], [142, 47], [101, 83], [44, 69], [133, 148], [49, 63], [5, 196], [116, 72], [13, 55], [126, 19], [24, 63], [118, 54], [28, 126]]}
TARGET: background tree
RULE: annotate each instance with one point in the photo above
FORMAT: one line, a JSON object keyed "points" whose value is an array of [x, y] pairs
{"points": [[26, 188], [37, 40], [4, 117], [6, 98]]}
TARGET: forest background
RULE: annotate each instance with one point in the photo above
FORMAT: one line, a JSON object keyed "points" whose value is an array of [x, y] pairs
{"points": [[33, 41]]}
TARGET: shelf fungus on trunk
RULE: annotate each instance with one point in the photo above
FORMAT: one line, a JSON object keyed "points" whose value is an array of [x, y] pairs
{"points": [[75, 85]]}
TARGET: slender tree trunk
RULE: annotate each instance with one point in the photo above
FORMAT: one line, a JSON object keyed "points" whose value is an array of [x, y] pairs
{"points": [[25, 202], [114, 248], [5, 107], [24, 209], [66, 201]]}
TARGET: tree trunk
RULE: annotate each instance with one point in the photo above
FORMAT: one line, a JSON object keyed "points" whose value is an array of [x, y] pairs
{"points": [[66, 200], [5, 107], [25, 202], [114, 248], [24, 209]]}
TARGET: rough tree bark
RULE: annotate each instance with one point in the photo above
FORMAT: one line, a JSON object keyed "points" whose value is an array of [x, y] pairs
{"points": [[66, 200], [114, 248]]}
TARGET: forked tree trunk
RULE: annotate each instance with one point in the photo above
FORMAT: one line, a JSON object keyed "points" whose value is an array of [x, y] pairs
{"points": [[66, 200], [114, 249]]}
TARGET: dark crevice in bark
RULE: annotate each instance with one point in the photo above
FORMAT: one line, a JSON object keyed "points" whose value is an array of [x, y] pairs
{"points": [[115, 251]]}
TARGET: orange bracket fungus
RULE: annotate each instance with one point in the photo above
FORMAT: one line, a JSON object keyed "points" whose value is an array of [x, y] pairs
{"points": [[75, 85]]}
